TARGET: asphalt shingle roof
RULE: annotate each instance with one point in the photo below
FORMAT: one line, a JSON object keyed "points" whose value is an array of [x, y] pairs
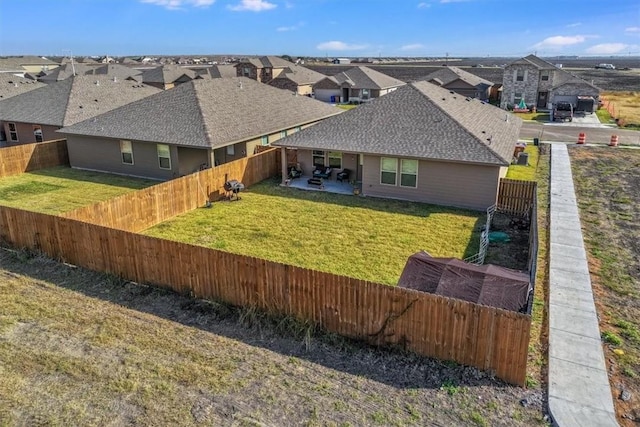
{"points": [[11, 85], [420, 120], [14, 63], [72, 100], [300, 75], [166, 74], [267, 62], [447, 75], [221, 71], [366, 78], [207, 113]]}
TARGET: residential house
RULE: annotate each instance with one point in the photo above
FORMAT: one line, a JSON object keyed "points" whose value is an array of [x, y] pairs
{"points": [[26, 64], [542, 84], [357, 84], [218, 71], [262, 69], [167, 76], [461, 81], [67, 70], [35, 116], [420, 143], [297, 79], [200, 123]]}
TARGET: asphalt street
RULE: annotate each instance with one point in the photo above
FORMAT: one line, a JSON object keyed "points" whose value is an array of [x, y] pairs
{"points": [[569, 133]]}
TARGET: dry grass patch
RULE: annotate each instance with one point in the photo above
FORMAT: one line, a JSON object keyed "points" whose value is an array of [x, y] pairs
{"points": [[365, 238], [62, 189], [626, 106]]}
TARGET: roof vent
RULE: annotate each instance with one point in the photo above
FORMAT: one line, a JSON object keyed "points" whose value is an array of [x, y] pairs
{"points": [[451, 92], [115, 79], [80, 106], [240, 85], [444, 99], [468, 99], [97, 82], [95, 100]]}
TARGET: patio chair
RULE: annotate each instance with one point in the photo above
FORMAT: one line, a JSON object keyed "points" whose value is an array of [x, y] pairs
{"points": [[294, 172], [343, 175], [323, 172]]}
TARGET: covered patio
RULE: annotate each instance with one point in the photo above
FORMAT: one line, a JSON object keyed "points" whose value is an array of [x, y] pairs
{"points": [[328, 185]]}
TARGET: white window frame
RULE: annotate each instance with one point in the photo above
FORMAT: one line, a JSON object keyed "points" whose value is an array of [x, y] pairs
{"points": [[402, 172], [264, 140], [37, 128], [518, 79], [13, 134], [126, 148], [160, 147], [316, 154], [335, 155], [545, 75], [283, 133], [395, 171], [231, 150]]}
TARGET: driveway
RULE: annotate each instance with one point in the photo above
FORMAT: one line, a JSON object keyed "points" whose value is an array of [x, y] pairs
{"points": [[582, 120]]}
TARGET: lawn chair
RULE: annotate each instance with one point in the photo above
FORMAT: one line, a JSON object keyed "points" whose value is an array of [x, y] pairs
{"points": [[343, 175]]}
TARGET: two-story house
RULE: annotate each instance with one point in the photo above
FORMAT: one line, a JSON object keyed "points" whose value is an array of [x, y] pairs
{"points": [[542, 84], [263, 69]]}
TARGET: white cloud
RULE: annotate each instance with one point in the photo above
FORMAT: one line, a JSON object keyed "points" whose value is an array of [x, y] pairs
{"points": [[606, 48], [414, 46], [290, 28], [338, 45], [632, 30], [252, 6], [575, 24], [180, 4], [423, 5], [558, 42]]}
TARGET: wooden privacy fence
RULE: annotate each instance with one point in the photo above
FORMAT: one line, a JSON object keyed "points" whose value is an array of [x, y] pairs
{"points": [[488, 338], [29, 157], [515, 197], [139, 210]]}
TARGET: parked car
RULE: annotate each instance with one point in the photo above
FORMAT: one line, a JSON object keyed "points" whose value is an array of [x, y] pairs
{"points": [[563, 111], [605, 66]]}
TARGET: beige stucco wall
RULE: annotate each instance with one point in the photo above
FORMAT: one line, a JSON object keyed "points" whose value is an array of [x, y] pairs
{"points": [[442, 183]]}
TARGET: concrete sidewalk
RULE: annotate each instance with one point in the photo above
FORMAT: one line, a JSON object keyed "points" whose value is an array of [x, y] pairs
{"points": [[579, 390]]}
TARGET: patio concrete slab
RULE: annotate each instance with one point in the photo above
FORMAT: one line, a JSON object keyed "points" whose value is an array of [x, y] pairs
{"points": [[579, 390]]}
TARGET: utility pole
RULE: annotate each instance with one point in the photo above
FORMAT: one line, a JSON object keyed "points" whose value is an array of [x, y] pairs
{"points": [[446, 58]]}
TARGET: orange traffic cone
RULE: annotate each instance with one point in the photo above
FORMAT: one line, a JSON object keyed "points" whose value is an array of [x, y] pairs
{"points": [[614, 141], [582, 138]]}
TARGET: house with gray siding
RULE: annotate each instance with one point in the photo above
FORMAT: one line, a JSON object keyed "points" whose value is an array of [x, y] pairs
{"points": [[198, 124], [34, 116], [542, 84], [421, 143], [461, 81], [357, 84]]}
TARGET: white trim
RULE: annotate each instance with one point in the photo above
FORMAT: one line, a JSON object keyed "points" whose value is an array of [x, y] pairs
{"points": [[395, 184], [123, 151], [158, 146]]}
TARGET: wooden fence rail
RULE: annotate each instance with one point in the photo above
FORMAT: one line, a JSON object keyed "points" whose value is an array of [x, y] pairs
{"points": [[515, 197], [488, 338], [29, 157], [139, 210]]}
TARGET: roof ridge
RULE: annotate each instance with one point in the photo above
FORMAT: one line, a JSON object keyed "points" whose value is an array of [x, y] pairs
{"points": [[73, 79], [462, 125], [196, 94]]}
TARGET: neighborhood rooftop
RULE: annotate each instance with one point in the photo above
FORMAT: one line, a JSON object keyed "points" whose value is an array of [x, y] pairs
{"points": [[207, 113], [365, 78], [418, 120], [167, 74], [300, 75], [72, 100], [447, 75], [11, 85]]}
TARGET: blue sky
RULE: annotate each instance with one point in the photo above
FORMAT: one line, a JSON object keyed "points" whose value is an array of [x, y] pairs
{"points": [[320, 27]]}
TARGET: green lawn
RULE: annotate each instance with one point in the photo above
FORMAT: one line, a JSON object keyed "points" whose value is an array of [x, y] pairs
{"points": [[62, 189], [366, 238], [525, 173]]}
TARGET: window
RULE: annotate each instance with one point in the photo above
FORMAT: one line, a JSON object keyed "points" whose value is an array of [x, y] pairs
{"points": [[298, 128], [126, 151], [544, 75], [37, 133], [231, 150], [335, 159], [264, 140], [517, 97], [408, 173], [318, 158], [13, 132], [283, 133], [246, 72], [164, 156], [520, 75], [365, 94], [388, 170]]}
